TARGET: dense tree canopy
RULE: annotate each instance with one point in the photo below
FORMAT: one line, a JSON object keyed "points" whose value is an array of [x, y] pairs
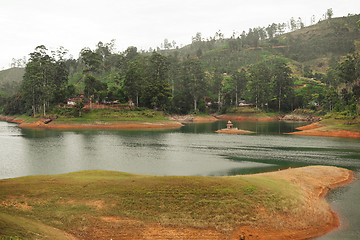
{"points": [[44, 81]]}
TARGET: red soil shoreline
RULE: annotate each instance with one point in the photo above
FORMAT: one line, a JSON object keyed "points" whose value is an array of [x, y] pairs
{"points": [[233, 131], [315, 188], [315, 129]]}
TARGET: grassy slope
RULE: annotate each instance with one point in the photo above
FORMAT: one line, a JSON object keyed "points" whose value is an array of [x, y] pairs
{"points": [[70, 202], [10, 79], [100, 116], [333, 123]]}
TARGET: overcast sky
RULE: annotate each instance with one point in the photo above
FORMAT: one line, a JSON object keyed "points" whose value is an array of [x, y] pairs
{"points": [[75, 24]]}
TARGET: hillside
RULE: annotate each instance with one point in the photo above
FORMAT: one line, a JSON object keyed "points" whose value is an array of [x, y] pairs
{"points": [[10, 80], [310, 49], [322, 44], [314, 46]]}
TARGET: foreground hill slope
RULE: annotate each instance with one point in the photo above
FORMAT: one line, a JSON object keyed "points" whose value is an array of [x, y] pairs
{"points": [[286, 204]]}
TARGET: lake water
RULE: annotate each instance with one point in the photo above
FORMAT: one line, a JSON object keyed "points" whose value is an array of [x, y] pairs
{"points": [[191, 150]]}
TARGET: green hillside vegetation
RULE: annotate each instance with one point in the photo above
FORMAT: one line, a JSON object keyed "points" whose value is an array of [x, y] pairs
{"points": [[314, 46], [277, 68], [10, 81]]}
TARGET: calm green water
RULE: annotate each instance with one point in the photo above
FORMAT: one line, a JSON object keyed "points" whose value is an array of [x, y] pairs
{"points": [[191, 150]]}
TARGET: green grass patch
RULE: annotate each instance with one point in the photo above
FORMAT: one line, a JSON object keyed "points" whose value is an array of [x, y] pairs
{"points": [[115, 115], [69, 201], [339, 121]]}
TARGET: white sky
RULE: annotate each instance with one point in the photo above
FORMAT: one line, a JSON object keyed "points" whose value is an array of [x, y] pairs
{"points": [[75, 24]]}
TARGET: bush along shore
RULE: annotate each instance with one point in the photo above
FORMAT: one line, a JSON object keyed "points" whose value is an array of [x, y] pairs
{"points": [[286, 204]]}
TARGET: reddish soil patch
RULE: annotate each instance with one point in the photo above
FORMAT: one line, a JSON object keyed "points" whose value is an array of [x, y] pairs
{"points": [[233, 131], [316, 131], [11, 119], [331, 133], [192, 118], [204, 119], [310, 126], [113, 227]]}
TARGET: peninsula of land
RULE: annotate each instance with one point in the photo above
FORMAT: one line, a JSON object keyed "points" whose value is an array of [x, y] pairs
{"points": [[286, 204]]}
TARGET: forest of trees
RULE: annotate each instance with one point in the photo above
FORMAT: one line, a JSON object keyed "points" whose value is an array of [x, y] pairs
{"points": [[176, 84], [158, 82]]}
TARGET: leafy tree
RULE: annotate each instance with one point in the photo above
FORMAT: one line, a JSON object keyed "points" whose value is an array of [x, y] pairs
{"points": [[271, 30], [259, 83], [104, 50], [78, 108], [193, 80], [156, 89], [331, 98], [44, 80], [293, 25], [217, 86], [131, 53], [92, 60], [134, 81], [349, 70], [329, 13], [94, 88], [197, 38], [281, 81], [116, 93], [356, 92], [15, 104], [240, 80]]}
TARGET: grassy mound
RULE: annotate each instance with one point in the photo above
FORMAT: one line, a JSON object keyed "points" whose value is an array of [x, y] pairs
{"points": [[106, 204], [69, 202]]}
